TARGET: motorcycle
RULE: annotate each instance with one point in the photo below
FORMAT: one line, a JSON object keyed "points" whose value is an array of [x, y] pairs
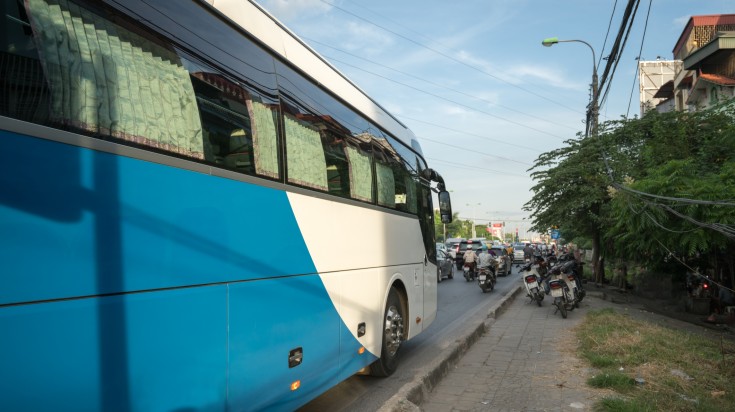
{"points": [[469, 273], [576, 269], [563, 289], [486, 279], [532, 281]]}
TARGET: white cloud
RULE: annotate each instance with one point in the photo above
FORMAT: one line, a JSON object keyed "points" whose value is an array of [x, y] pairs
{"points": [[365, 38], [547, 76], [291, 9]]}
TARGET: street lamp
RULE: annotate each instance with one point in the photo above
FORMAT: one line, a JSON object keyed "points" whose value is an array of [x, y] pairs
{"points": [[592, 112], [474, 234]]}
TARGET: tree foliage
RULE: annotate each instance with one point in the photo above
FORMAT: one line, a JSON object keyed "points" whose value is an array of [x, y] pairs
{"points": [[681, 158], [641, 185]]}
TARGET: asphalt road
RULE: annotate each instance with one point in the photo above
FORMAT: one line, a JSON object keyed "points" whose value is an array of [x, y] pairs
{"points": [[459, 301]]}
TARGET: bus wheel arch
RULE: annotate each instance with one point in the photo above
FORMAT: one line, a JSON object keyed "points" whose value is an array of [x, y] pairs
{"points": [[394, 329]]}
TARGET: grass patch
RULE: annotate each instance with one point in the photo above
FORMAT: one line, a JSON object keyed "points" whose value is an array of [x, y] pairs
{"points": [[681, 371], [616, 381]]}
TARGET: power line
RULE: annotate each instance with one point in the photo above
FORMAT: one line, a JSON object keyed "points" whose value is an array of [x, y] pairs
{"points": [[436, 84], [617, 51], [445, 99], [449, 57], [637, 67], [473, 168], [470, 134], [607, 33], [475, 151]]}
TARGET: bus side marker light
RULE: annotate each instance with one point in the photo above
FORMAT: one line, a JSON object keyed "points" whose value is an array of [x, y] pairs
{"points": [[295, 385], [361, 350]]}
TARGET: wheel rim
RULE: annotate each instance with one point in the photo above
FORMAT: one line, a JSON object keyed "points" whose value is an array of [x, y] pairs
{"points": [[394, 326]]}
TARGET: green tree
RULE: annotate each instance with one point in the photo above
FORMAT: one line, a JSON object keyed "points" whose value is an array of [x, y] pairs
{"points": [[458, 227], [570, 192], [645, 189], [687, 162]]}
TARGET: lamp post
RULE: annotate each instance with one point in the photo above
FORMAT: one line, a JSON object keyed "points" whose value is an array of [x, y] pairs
{"points": [[593, 109], [473, 219]]}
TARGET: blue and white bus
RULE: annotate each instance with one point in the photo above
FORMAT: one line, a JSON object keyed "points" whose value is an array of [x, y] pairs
{"points": [[181, 183]]}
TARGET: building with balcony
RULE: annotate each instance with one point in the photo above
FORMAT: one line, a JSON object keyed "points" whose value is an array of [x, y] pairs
{"points": [[706, 75]]}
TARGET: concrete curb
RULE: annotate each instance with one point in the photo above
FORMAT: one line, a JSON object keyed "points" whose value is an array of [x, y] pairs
{"points": [[413, 393]]}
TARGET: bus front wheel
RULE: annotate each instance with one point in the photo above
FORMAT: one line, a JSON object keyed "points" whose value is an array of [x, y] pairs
{"points": [[394, 333]]}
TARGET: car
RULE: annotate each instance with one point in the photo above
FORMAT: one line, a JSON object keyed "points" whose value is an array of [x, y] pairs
{"points": [[444, 264], [518, 252], [441, 246], [453, 245], [476, 245], [505, 263]]}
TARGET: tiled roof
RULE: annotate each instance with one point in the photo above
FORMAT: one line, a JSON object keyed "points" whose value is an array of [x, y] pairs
{"points": [[708, 20], [718, 79]]}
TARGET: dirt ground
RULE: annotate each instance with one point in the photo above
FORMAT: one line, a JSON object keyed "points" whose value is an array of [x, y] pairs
{"points": [[667, 313]]}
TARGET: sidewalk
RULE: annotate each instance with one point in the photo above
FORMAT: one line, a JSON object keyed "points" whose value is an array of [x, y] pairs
{"points": [[524, 362], [521, 358]]}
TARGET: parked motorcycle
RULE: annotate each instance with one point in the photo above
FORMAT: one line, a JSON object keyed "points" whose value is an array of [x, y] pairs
{"points": [[532, 282], [563, 289], [486, 278], [576, 269]]}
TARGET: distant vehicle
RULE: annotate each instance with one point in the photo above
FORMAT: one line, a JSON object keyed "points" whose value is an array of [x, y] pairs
{"points": [[476, 245], [452, 245], [444, 264], [518, 252], [505, 262], [441, 246]]}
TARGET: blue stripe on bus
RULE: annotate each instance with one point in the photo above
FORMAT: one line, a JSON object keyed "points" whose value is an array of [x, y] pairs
{"points": [[85, 222], [151, 351], [275, 317], [169, 350]]}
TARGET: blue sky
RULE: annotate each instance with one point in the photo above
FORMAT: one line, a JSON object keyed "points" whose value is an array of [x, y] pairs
{"points": [[471, 79]]}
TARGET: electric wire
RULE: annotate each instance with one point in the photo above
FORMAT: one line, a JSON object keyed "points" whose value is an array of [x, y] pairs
{"points": [[469, 134], [437, 84], [474, 109], [640, 51], [473, 168], [674, 199], [622, 47], [433, 50], [475, 151], [694, 271], [607, 33]]}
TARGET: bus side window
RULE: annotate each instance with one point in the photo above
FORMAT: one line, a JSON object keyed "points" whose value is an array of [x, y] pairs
{"points": [[239, 131], [108, 79]]}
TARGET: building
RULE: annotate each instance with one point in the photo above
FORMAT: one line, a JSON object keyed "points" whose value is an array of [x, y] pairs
{"points": [[653, 75], [706, 77]]}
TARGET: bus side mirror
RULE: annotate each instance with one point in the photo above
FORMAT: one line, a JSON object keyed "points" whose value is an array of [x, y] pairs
{"points": [[445, 207]]}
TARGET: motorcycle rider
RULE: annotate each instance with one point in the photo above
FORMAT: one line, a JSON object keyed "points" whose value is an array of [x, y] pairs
{"points": [[527, 252], [485, 259], [470, 258]]}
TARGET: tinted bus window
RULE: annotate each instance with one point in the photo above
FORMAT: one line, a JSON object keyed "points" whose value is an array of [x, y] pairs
{"points": [[103, 79], [327, 144]]}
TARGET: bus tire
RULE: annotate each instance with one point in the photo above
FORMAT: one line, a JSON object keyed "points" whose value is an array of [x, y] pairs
{"points": [[394, 334]]}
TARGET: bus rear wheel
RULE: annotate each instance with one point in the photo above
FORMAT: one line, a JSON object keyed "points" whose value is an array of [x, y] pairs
{"points": [[394, 334]]}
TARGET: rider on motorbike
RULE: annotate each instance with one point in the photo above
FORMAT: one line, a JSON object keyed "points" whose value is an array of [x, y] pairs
{"points": [[470, 258], [485, 259]]}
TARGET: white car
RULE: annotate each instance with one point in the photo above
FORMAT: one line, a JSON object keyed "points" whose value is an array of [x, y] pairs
{"points": [[518, 252]]}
